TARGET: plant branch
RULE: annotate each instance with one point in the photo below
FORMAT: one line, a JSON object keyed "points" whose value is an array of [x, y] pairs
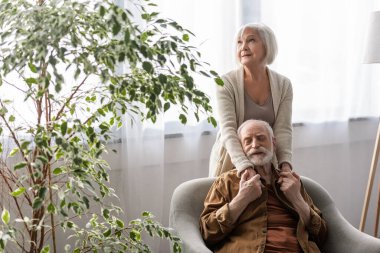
{"points": [[13, 134], [59, 114], [14, 198], [14, 86]]}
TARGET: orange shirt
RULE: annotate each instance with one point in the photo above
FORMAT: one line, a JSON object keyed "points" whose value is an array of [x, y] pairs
{"points": [[253, 231], [281, 225]]}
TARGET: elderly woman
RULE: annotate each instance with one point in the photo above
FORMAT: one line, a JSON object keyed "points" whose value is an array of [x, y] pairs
{"points": [[253, 91]]}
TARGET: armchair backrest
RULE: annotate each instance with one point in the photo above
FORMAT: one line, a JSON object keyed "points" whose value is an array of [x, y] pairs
{"points": [[187, 205]]}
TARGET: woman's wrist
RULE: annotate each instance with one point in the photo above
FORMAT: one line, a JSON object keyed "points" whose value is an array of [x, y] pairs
{"points": [[285, 166]]}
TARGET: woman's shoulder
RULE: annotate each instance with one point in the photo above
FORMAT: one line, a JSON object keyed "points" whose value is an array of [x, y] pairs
{"points": [[277, 77], [279, 83], [233, 75]]}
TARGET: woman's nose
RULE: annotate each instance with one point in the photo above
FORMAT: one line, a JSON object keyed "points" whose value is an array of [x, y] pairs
{"points": [[244, 46]]}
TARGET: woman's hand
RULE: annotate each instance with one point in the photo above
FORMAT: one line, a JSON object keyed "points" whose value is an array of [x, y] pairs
{"points": [[285, 167], [250, 172]]}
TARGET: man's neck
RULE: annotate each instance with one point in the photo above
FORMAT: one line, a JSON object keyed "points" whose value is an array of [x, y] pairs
{"points": [[265, 172]]}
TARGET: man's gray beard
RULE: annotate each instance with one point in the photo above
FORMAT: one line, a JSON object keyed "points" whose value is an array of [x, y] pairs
{"points": [[262, 161]]}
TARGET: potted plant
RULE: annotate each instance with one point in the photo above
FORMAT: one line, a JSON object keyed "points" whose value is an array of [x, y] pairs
{"points": [[61, 97]]}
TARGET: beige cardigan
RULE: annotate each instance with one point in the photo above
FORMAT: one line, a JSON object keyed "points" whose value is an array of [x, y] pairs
{"points": [[230, 102]]}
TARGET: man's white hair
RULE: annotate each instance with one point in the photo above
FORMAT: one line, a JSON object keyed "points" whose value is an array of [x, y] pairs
{"points": [[255, 121]]}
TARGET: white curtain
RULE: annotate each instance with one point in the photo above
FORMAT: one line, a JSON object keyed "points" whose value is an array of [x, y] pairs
{"points": [[321, 46], [320, 50], [156, 158]]}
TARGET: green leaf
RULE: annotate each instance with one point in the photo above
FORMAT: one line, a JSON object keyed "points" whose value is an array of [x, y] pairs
{"points": [[18, 192], [204, 73], [185, 37], [162, 78], [102, 11], [37, 203], [135, 235], [25, 144], [57, 171], [32, 67], [127, 36], [166, 106], [182, 118], [43, 159], [64, 127], [42, 192], [19, 165], [212, 121], [107, 233], [219, 81], [45, 249], [12, 118], [30, 81], [116, 28], [86, 202], [5, 217], [51, 208], [13, 152], [212, 72], [106, 213], [148, 67], [120, 223]]}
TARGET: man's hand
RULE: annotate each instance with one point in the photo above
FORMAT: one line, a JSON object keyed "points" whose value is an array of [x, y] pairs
{"points": [[250, 186], [249, 190], [290, 185]]}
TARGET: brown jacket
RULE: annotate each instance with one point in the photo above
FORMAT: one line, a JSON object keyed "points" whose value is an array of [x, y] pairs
{"points": [[248, 234]]}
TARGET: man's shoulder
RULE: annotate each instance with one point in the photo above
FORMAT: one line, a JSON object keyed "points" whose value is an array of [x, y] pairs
{"points": [[229, 176], [227, 183]]}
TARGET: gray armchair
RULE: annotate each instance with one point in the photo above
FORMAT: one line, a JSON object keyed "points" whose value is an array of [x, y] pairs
{"points": [[187, 205]]}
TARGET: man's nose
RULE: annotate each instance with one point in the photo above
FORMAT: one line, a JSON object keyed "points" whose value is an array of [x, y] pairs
{"points": [[255, 144]]}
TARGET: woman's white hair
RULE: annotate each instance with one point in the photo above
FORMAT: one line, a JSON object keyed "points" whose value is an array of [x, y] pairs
{"points": [[267, 36]]}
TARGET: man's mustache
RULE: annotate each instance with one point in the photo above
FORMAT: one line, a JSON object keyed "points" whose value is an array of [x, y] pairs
{"points": [[258, 150]]}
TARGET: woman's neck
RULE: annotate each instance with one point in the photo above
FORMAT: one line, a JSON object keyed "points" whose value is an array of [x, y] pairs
{"points": [[255, 73]]}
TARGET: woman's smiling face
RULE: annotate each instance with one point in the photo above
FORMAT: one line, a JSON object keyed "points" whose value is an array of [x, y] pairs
{"points": [[250, 47]]}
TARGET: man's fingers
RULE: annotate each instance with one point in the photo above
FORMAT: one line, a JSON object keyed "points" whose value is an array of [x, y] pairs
{"points": [[254, 178], [285, 173], [296, 175]]}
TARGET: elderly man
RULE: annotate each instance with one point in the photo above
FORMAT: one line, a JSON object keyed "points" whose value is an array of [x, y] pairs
{"points": [[269, 212]]}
